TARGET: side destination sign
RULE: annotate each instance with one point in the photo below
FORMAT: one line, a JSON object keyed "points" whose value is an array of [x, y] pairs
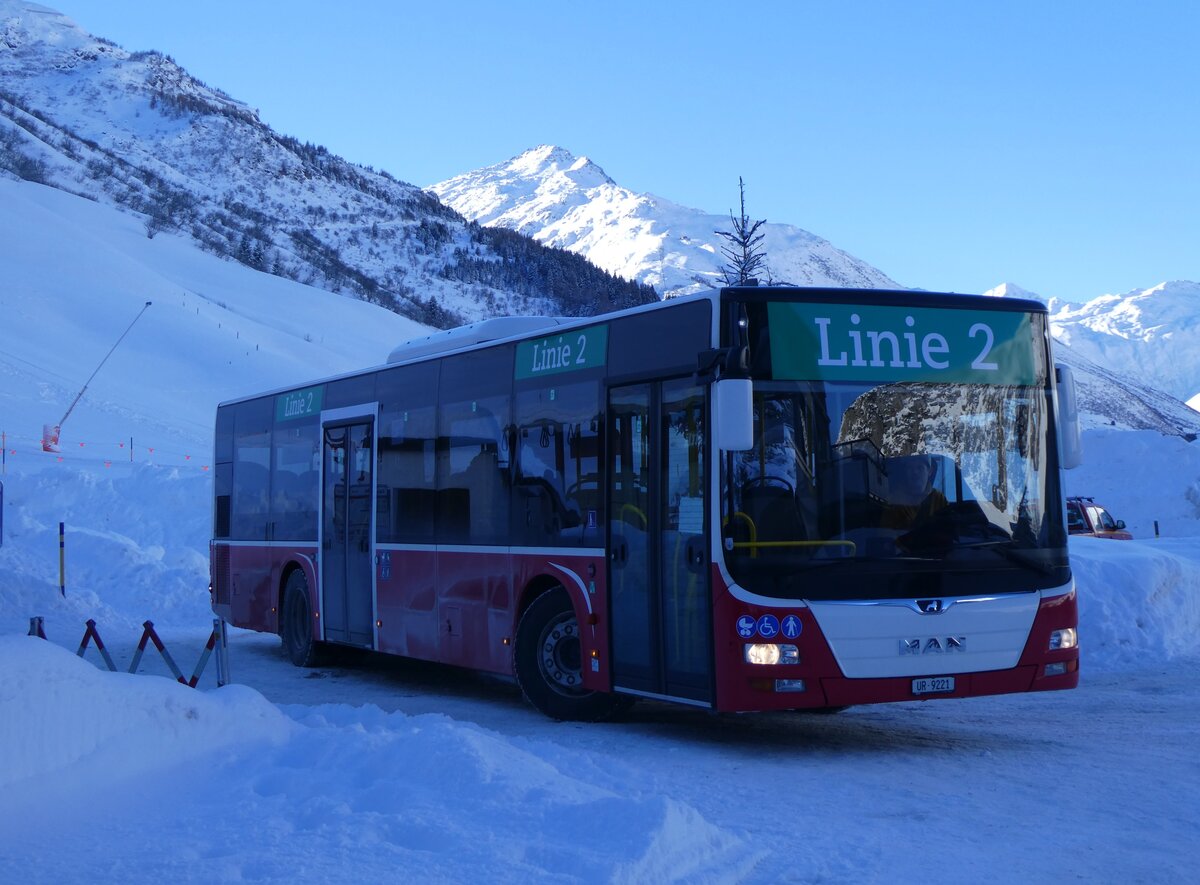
{"points": [[299, 403], [878, 343], [571, 351]]}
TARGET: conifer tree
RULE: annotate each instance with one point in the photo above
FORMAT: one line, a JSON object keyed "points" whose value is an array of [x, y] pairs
{"points": [[744, 250]]}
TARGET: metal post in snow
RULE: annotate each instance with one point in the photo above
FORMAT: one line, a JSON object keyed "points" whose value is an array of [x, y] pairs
{"points": [[222, 652], [62, 559]]}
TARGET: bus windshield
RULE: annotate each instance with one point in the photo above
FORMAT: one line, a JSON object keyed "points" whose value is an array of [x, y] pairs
{"points": [[901, 488]]}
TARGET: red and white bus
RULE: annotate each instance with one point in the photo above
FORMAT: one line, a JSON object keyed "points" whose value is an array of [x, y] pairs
{"points": [[746, 500]]}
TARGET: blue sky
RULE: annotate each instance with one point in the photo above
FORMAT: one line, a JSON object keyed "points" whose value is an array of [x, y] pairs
{"points": [[953, 145]]}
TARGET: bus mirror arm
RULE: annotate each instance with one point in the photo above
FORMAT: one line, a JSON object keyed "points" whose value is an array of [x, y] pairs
{"points": [[723, 362]]}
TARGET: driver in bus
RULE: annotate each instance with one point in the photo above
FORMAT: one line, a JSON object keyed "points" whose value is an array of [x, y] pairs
{"points": [[912, 499]]}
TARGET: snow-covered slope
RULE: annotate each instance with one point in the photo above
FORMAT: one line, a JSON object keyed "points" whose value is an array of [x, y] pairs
{"points": [[1150, 334], [568, 201], [1113, 399], [77, 272], [1115, 389]]}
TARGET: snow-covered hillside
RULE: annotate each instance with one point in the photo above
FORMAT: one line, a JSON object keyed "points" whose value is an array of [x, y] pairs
{"points": [[78, 272], [1122, 393], [134, 129], [568, 201], [1152, 334]]}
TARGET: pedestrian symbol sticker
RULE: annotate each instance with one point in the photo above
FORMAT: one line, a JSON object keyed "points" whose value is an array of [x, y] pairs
{"points": [[745, 626], [792, 626], [768, 626]]}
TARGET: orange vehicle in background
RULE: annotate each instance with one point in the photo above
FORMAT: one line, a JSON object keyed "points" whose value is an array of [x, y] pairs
{"points": [[1086, 517]]}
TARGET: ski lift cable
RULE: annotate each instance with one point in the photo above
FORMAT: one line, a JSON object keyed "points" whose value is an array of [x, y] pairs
{"points": [[79, 396]]}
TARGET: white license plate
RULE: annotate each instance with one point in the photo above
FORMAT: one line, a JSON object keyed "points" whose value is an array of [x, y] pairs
{"points": [[933, 685]]}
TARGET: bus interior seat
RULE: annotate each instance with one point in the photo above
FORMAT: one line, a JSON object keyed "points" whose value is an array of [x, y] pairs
{"points": [[774, 512]]}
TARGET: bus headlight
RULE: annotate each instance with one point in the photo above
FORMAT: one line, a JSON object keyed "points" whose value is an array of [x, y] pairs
{"points": [[770, 653], [1061, 639]]}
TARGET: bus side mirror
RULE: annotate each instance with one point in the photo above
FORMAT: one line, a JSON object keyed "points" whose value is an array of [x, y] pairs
{"points": [[1070, 435], [733, 411]]}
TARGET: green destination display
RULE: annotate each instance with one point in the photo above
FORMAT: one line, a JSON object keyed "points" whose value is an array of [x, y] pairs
{"points": [[570, 351], [299, 403], [879, 343]]}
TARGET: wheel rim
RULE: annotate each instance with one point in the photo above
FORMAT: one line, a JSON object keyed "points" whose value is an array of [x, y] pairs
{"points": [[560, 657]]}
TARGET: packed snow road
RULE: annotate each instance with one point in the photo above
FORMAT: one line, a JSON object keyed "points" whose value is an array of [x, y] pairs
{"points": [[380, 768], [1098, 783]]}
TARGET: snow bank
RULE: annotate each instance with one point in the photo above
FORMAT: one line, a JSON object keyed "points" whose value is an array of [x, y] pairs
{"points": [[1139, 601], [1142, 477], [57, 711], [439, 799]]}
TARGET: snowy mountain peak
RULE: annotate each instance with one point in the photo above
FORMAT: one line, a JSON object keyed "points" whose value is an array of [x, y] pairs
{"points": [[1011, 290], [569, 202], [547, 160], [1152, 334]]}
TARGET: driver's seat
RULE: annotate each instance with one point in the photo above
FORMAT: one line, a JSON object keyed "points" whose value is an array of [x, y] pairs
{"points": [[775, 513]]}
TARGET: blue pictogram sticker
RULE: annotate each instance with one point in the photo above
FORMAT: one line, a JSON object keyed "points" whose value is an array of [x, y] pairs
{"points": [[745, 626], [768, 626], [792, 626]]}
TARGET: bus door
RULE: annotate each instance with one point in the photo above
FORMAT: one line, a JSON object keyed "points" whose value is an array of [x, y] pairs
{"points": [[659, 584], [347, 539]]}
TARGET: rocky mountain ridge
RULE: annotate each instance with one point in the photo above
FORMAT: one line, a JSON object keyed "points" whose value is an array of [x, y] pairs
{"points": [[563, 200]]}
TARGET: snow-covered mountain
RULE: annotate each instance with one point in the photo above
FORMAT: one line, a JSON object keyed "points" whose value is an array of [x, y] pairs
{"points": [[1135, 356], [1152, 335], [134, 129], [567, 201], [1109, 398]]}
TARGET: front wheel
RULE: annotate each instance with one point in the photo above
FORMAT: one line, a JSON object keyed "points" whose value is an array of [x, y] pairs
{"points": [[296, 628], [548, 661]]}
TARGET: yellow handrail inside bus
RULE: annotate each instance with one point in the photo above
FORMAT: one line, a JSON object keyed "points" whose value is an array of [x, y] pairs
{"points": [[637, 511], [753, 529]]}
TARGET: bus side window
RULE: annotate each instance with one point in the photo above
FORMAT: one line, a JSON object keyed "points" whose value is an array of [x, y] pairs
{"points": [[556, 491], [407, 476], [250, 502]]}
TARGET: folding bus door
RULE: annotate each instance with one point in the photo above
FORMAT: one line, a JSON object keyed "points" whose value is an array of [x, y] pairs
{"points": [[347, 539], [660, 591]]}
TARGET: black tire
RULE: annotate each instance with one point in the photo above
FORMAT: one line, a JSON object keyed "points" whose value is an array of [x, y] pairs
{"points": [[548, 661], [296, 624]]}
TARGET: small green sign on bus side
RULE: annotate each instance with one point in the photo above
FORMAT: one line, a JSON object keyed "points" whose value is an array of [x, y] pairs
{"points": [[299, 403], [877, 343], [571, 351]]}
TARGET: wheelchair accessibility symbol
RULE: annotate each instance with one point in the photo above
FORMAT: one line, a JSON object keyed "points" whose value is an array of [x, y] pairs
{"points": [[768, 626]]}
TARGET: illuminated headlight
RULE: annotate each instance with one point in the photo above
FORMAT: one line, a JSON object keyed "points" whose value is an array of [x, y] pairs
{"points": [[770, 653], [1061, 639]]}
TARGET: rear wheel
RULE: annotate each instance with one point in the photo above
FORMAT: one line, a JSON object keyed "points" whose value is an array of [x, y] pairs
{"points": [[549, 662], [296, 628]]}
